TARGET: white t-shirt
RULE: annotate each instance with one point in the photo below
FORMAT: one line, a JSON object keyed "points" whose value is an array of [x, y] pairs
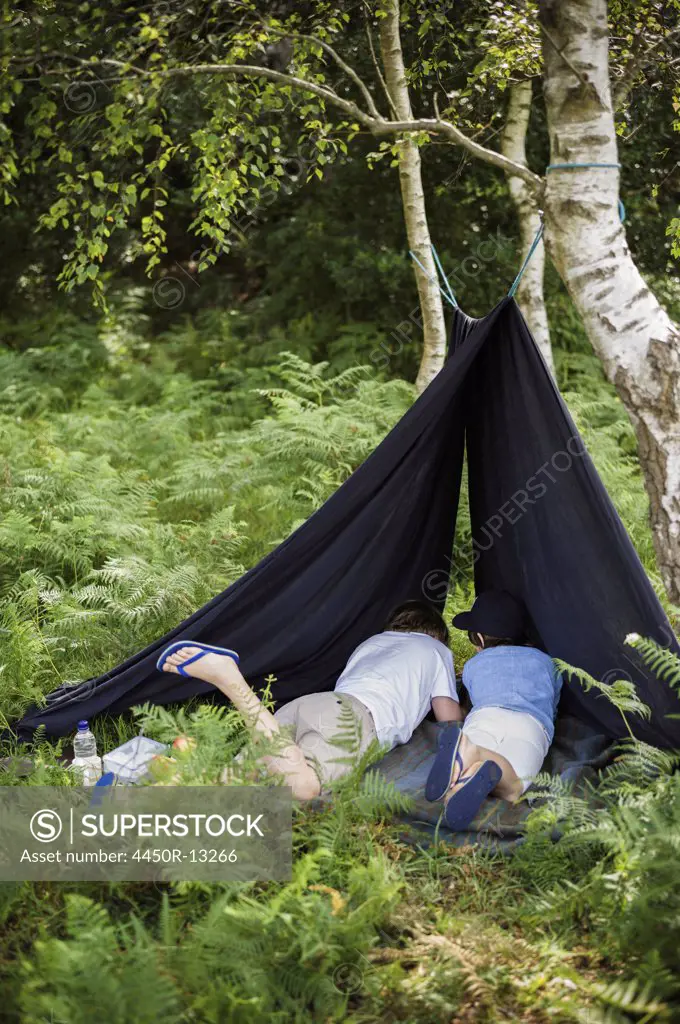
{"points": [[396, 675]]}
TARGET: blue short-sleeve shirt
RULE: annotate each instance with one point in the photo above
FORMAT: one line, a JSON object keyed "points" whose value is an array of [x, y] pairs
{"points": [[516, 678]]}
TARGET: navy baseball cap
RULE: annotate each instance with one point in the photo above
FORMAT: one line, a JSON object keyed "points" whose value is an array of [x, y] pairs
{"points": [[494, 613]]}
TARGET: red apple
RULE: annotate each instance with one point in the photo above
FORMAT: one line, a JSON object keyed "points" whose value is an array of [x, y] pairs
{"points": [[184, 744]]}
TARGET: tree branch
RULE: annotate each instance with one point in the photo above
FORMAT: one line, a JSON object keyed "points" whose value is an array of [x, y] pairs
{"points": [[238, 71], [349, 71], [449, 131], [644, 49], [378, 126], [489, 156]]}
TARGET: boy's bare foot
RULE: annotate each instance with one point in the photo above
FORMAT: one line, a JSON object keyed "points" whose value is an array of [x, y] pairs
{"points": [[469, 770], [473, 757], [211, 668], [223, 672]]}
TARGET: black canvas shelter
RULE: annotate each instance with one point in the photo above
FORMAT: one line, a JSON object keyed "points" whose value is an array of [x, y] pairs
{"points": [[543, 527]]}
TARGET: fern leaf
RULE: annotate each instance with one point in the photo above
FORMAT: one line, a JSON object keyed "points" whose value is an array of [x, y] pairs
{"points": [[664, 663]]}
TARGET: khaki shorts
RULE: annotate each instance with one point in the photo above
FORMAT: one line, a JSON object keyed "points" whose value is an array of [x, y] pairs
{"points": [[315, 722]]}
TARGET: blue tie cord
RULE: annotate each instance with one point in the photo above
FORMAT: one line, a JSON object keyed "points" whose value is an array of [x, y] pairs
{"points": [[448, 294], [569, 167], [447, 291], [539, 233], [444, 277]]}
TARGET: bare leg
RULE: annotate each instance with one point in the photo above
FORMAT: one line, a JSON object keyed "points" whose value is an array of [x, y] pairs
{"points": [[510, 786], [223, 672]]}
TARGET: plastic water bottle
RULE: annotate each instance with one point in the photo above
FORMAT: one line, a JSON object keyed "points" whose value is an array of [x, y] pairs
{"points": [[84, 743], [85, 761]]}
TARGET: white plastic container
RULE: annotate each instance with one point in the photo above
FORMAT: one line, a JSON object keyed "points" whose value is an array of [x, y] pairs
{"points": [[130, 762]]}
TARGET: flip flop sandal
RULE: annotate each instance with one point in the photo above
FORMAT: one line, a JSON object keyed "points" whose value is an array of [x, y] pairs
{"points": [[464, 804], [97, 798], [204, 649], [447, 757]]}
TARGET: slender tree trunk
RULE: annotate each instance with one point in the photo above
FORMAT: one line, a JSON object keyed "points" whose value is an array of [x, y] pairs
{"points": [[530, 292], [634, 337], [413, 199]]}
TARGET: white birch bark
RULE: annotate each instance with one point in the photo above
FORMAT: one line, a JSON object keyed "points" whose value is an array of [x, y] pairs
{"points": [[529, 294], [413, 199], [634, 337]]}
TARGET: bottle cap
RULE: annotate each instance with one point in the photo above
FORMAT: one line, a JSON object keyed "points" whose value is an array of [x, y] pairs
{"points": [[82, 725]]}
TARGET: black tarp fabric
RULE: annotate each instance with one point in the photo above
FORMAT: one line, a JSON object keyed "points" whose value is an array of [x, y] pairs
{"points": [[543, 527]]}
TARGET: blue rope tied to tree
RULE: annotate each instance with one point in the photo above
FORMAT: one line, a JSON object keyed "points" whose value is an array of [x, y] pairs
{"points": [[569, 167], [539, 233], [445, 279], [448, 294]]}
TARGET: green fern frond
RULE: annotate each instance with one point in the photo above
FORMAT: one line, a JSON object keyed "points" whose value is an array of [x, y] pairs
{"points": [[662, 662], [348, 736], [378, 797], [621, 692], [622, 999], [636, 764]]}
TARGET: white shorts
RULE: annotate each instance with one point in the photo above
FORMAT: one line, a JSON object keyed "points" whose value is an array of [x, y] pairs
{"points": [[515, 735]]}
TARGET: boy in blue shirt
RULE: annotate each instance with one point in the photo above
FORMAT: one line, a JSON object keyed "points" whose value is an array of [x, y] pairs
{"points": [[514, 690]]}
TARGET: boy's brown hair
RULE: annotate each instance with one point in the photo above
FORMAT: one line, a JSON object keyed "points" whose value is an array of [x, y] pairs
{"points": [[493, 641], [418, 617]]}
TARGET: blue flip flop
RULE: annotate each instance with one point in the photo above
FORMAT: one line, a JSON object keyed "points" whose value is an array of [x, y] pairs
{"points": [[464, 804], [441, 773], [205, 649], [99, 791]]}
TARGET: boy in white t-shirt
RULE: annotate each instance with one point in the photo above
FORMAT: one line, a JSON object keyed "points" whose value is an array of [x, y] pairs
{"points": [[390, 682]]}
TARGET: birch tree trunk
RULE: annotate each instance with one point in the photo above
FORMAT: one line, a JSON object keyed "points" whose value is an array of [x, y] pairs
{"points": [[413, 199], [631, 333], [530, 291]]}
